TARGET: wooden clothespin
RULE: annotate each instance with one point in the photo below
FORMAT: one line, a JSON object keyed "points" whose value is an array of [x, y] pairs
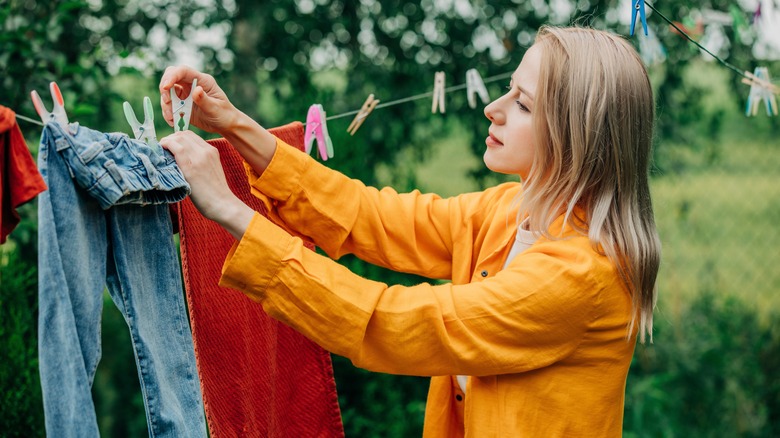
{"points": [[438, 92], [761, 88], [638, 9], [474, 86], [364, 112], [317, 128], [57, 113]]}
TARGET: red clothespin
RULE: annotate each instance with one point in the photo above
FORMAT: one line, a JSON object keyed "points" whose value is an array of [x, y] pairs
{"points": [[317, 128], [438, 92], [58, 112], [639, 8], [761, 88], [364, 112]]}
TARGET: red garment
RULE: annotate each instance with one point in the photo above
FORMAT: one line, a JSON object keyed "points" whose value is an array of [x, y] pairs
{"points": [[19, 175], [259, 377]]}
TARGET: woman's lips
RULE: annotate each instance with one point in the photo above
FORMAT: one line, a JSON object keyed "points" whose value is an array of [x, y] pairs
{"points": [[492, 141]]}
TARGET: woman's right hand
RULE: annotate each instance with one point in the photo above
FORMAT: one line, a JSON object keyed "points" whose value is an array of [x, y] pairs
{"points": [[211, 110]]}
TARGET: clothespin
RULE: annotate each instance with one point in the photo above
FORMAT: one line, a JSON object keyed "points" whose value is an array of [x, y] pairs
{"points": [[438, 92], [182, 108], [761, 88], [651, 50], [639, 8], [475, 85], [365, 110], [57, 113], [143, 131], [316, 127]]}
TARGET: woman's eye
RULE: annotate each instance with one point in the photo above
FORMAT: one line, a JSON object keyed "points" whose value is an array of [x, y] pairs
{"points": [[522, 107]]}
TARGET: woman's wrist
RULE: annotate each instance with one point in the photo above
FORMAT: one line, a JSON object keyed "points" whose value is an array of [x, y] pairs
{"points": [[255, 144], [234, 216]]}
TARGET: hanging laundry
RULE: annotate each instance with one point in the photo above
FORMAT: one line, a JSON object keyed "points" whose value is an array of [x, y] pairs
{"points": [[260, 378], [21, 181], [104, 222]]}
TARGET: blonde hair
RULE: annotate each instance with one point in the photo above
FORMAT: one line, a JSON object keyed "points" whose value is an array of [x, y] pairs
{"points": [[593, 121]]}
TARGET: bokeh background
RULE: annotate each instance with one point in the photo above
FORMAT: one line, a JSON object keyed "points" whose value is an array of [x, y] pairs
{"points": [[714, 368]]}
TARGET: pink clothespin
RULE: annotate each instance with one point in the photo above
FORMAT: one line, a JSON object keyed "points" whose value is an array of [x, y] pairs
{"points": [[317, 128], [58, 112]]}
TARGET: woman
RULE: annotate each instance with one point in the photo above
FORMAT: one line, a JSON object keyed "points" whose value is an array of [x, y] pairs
{"points": [[552, 280]]}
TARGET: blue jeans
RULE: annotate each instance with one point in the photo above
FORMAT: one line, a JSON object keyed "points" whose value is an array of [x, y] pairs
{"points": [[105, 221]]}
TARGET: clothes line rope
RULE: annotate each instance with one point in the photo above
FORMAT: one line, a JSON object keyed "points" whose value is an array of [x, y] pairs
{"points": [[504, 76], [688, 37], [421, 96]]}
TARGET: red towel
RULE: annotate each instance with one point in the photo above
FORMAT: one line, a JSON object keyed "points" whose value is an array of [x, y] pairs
{"points": [[259, 377], [19, 176]]}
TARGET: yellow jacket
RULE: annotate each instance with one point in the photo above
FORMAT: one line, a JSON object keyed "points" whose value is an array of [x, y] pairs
{"points": [[544, 339]]}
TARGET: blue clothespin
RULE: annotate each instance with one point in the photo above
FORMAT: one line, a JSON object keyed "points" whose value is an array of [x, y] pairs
{"points": [[57, 113], [639, 8], [182, 108], [143, 131], [761, 88]]}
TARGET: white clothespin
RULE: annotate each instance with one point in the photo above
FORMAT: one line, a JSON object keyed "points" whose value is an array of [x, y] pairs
{"points": [[364, 112], [182, 108], [317, 128], [58, 111], [474, 86], [761, 88], [142, 131], [438, 92]]}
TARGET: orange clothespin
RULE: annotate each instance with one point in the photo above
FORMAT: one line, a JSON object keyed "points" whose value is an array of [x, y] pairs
{"points": [[364, 112], [57, 113], [438, 92], [761, 88]]}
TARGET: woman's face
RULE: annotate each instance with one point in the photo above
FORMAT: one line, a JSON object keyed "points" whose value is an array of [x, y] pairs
{"points": [[511, 143]]}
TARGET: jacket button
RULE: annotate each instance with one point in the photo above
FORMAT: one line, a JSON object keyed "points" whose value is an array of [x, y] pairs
{"points": [[484, 273]]}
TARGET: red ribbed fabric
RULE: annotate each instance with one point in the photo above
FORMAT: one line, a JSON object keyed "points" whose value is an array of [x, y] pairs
{"points": [[259, 377]]}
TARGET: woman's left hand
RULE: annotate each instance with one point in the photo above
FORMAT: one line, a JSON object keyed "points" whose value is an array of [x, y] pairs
{"points": [[200, 164]]}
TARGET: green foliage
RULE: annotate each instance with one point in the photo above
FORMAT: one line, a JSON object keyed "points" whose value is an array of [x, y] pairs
{"points": [[21, 404], [713, 373]]}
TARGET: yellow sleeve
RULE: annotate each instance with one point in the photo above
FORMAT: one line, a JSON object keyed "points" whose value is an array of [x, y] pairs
{"points": [[529, 315], [410, 232]]}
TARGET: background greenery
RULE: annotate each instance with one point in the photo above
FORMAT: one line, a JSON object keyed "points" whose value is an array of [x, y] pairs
{"points": [[713, 369]]}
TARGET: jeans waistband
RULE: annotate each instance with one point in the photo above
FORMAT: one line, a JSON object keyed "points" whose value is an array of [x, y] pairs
{"points": [[115, 169]]}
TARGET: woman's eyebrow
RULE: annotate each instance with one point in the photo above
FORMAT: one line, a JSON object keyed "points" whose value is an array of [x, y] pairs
{"points": [[524, 91]]}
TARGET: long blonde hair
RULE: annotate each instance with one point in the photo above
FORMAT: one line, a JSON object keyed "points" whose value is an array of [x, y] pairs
{"points": [[593, 121]]}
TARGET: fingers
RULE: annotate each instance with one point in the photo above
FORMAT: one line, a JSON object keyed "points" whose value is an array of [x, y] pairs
{"points": [[184, 144]]}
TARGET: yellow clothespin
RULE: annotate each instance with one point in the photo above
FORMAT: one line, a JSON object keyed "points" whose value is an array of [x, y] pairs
{"points": [[365, 110], [761, 88], [438, 92]]}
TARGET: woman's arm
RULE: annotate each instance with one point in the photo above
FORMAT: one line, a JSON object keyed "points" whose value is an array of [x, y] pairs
{"points": [[528, 316]]}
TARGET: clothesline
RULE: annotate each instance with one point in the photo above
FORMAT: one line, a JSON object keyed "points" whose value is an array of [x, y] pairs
{"points": [[506, 75]]}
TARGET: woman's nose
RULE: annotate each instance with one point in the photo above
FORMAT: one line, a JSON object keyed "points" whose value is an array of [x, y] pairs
{"points": [[492, 112]]}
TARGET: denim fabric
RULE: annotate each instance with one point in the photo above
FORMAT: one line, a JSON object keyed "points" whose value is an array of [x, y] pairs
{"points": [[85, 243], [116, 170]]}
